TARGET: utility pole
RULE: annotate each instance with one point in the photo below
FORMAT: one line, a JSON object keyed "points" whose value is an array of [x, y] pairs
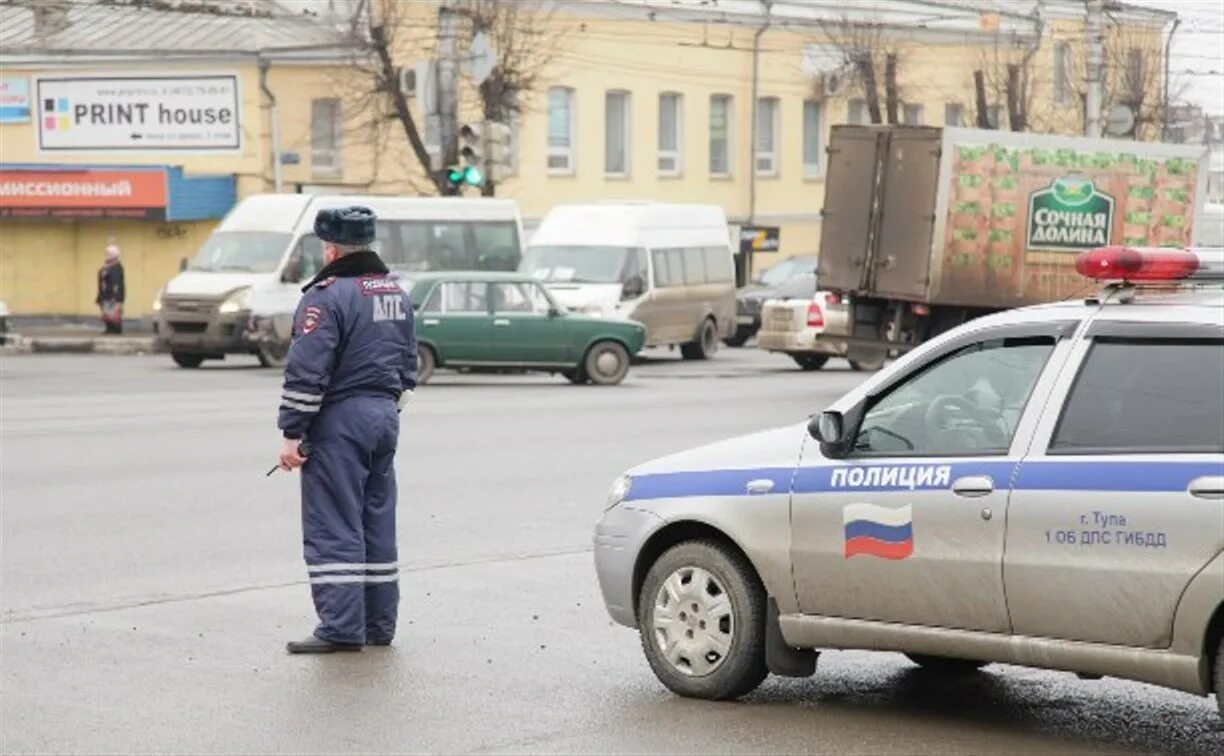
{"points": [[448, 85], [1096, 59]]}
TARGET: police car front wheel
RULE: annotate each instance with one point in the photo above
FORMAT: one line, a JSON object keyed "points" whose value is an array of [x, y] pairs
{"points": [[701, 616]]}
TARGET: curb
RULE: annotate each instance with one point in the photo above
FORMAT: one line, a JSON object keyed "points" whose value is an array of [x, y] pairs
{"points": [[78, 345]]}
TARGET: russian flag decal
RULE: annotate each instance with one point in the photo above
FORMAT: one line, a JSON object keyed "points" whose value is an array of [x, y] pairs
{"points": [[872, 530]]}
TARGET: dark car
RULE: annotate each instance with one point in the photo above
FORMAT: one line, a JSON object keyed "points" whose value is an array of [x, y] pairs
{"points": [[767, 285]]}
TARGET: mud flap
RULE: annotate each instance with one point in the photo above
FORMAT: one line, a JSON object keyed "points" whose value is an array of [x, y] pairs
{"points": [[780, 658]]}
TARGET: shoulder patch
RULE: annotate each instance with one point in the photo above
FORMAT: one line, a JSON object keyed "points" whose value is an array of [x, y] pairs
{"points": [[310, 319], [373, 285]]}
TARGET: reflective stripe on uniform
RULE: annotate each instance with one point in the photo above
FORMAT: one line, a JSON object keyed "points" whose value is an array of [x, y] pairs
{"points": [[332, 579], [346, 566], [299, 406], [311, 398]]}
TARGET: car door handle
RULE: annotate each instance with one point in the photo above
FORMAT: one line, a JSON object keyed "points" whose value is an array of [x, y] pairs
{"points": [[760, 486], [501, 322], [1207, 487], [430, 321], [973, 486]]}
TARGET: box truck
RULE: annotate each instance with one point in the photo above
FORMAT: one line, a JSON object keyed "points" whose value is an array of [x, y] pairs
{"points": [[925, 228]]}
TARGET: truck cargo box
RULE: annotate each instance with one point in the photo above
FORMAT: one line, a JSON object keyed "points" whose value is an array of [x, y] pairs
{"points": [[993, 219]]}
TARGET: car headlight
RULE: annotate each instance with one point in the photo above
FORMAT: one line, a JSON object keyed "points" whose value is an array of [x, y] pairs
{"points": [[236, 301], [620, 489], [157, 303]]}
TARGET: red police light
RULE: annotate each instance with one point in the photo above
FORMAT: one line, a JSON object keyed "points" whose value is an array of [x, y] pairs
{"points": [[1137, 264], [815, 316]]}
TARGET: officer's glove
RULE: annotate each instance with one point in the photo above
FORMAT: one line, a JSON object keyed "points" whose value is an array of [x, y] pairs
{"points": [[404, 398]]}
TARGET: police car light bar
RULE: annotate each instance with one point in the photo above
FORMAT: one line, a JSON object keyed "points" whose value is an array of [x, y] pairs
{"points": [[1150, 264]]}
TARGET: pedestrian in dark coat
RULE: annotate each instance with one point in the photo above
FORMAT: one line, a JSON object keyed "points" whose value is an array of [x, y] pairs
{"points": [[111, 291]]}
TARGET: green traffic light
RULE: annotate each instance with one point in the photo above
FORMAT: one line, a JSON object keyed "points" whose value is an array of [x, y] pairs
{"points": [[473, 176]]}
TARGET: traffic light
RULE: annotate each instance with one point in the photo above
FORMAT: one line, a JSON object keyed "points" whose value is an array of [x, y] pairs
{"points": [[471, 155]]}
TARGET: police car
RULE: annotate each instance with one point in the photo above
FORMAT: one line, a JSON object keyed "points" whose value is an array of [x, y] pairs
{"points": [[1042, 487]]}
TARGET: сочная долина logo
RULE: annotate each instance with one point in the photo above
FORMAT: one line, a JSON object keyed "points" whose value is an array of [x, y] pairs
{"points": [[1070, 214]]}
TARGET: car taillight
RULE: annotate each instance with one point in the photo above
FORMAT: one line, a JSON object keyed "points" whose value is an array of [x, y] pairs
{"points": [[833, 298], [815, 316], [1137, 264]]}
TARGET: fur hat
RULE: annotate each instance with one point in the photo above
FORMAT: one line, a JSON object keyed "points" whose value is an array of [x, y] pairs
{"points": [[353, 226]]}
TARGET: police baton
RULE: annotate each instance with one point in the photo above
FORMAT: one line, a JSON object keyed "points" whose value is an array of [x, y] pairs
{"points": [[303, 450]]}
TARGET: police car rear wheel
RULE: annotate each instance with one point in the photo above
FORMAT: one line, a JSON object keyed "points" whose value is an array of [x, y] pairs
{"points": [[606, 363], [701, 615], [946, 665], [426, 363], [187, 359]]}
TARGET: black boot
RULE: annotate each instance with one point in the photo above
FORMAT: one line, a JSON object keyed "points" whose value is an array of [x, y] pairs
{"points": [[378, 641], [313, 645]]}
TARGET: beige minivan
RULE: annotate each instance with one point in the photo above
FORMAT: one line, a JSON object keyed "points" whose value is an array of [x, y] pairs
{"points": [[667, 266]]}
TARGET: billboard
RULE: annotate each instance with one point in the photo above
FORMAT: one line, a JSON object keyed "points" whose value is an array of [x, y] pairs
{"points": [[173, 113], [14, 99], [109, 193]]}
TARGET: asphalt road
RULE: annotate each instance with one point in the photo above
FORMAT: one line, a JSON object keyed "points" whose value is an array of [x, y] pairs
{"points": [[150, 574]]}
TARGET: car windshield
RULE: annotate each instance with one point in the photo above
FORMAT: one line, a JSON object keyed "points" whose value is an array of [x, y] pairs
{"points": [[255, 251], [780, 273], [798, 287], [583, 264]]}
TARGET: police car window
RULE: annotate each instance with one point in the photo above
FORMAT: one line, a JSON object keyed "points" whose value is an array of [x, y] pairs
{"points": [[1155, 396], [967, 403], [463, 296]]}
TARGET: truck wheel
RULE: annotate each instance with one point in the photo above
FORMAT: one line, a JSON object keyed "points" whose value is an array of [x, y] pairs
{"points": [[606, 364], [427, 362], [706, 344], [187, 359], [945, 665], [701, 615], [273, 355], [740, 337], [809, 362]]}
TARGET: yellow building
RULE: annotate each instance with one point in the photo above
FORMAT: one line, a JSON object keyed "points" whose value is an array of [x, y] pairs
{"points": [[714, 102]]}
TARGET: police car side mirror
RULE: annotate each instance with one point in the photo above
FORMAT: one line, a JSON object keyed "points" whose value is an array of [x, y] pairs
{"points": [[829, 428]]}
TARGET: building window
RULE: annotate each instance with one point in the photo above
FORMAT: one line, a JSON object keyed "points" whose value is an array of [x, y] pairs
{"points": [[912, 115], [1062, 55], [671, 134], [766, 153], [856, 112], [813, 131], [721, 110], [560, 130], [325, 136], [954, 114], [1134, 73], [616, 133]]}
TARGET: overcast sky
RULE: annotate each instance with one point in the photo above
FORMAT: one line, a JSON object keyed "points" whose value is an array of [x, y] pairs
{"points": [[1198, 49]]}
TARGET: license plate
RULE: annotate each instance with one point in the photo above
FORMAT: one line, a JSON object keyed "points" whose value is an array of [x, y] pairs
{"points": [[780, 316]]}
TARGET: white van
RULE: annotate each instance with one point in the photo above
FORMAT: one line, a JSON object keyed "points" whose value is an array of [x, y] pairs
{"points": [[238, 294], [667, 266]]}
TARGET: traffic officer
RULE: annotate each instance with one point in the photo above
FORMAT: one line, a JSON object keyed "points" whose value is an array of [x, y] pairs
{"points": [[351, 367]]}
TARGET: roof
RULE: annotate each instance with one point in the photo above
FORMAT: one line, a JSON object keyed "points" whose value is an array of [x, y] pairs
{"points": [[118, 29]]}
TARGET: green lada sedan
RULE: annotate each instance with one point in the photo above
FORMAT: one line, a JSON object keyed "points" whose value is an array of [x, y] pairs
{"points": [[506, 320]]}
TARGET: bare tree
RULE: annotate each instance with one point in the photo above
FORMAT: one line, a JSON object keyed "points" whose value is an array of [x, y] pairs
{"points": [[525, 38], [391, 36], [865, 50]]}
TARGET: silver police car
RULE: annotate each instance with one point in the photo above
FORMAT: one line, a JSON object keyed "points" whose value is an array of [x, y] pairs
{"points": [[1042, 487]]}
